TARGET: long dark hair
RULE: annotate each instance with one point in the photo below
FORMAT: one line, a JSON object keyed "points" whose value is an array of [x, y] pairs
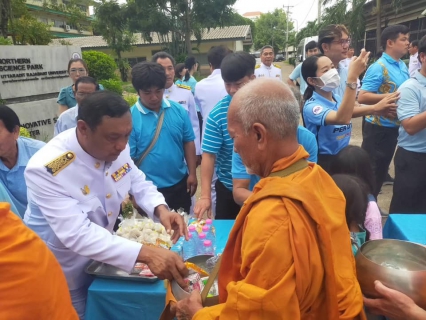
{"points": [[309, 70], [355, 192], [178, 69], [189, 64], [355, 161]]}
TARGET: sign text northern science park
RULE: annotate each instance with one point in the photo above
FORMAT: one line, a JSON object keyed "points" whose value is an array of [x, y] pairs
{"points": [[30, 79]]}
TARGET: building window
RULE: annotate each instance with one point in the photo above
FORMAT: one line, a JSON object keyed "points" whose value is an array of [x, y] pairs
{"points": [[133, 61], [82, 8], [58, 24], [44, 20]]}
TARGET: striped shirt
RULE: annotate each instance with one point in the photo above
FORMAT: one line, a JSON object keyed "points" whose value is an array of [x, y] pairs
{"points": [[216, 140]]}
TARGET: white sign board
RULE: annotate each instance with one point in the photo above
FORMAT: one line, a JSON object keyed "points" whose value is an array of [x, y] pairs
{"points": [[27, 71]]}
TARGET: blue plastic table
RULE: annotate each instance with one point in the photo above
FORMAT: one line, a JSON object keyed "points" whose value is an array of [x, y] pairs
{"points": [[127, 300], [410, 227]]}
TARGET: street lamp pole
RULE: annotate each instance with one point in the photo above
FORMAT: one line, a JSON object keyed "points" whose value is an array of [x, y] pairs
{"points": [[286, 34]]}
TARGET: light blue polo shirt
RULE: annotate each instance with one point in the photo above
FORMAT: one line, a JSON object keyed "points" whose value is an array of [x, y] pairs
{"points": [[384, 76], [331, 138], [165, 164], [412, 102], [216, 140], [297, 74], [304, 137], [13, 179]]}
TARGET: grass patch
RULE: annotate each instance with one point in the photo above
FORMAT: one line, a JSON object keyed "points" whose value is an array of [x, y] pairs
{"points": [[128, 87]]}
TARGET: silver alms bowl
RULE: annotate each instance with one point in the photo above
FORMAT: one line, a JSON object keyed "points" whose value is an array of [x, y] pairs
{"points": [[399, 265]]}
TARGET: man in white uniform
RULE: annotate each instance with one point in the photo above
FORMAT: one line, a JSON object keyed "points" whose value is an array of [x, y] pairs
{"points": [[267, 68], [208, 93], [76, 184], [414, 64], [179, 93]]}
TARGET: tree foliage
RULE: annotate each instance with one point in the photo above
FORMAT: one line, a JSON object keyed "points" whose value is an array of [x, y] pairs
{"points": [[112, 24], [101, 66], [177, 20], [27, 30], [235, 19], [271, 29]]}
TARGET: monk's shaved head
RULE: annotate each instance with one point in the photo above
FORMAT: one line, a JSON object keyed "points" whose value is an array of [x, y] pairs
{"points": [[268, 102]]}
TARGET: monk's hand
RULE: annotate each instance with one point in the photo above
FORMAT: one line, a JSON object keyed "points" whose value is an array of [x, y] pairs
{"points": [[165, 264], [172, 221], [203, 206], [393, 304], [187, 308]]}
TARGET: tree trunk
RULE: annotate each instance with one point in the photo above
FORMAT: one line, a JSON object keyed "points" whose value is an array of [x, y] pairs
{"points": [[188, 30], [378, 25], [123, 71]]}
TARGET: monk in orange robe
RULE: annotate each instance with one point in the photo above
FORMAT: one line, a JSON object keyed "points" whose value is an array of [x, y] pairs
{"points": [[32, 284], [289, 254]]}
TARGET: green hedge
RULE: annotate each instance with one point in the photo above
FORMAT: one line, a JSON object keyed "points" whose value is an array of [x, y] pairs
{"points": [[101, 66], [131, 99], [24, 132], [112, 85]]}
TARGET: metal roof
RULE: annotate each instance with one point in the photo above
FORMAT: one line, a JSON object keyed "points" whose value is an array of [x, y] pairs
{"points": [[225, 33]]}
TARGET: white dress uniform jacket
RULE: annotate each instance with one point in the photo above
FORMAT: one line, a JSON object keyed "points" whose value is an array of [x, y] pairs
{"points": [[270, 72], [182, 94], [208, 92], [74, 201]]}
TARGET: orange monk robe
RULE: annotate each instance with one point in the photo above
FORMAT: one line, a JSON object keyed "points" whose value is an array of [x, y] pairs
{"points": [[289, 254], [32, 284]]}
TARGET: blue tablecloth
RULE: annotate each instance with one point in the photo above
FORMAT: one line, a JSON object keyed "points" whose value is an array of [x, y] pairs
{"points": [[126, 300], [410, 227]]}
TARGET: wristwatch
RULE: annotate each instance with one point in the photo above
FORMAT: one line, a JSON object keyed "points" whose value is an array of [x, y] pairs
{"points": [[352, 85]]}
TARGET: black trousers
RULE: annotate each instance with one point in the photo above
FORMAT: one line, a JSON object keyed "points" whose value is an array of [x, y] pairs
{"points": [[409, 188], [226, 208], [326, 162], [200, 121], [380, 143], [176, 196]]}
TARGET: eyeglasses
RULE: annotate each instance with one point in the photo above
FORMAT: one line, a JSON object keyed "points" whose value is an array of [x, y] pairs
{"points": [[82, 94], [79, 71], [343, 41]]}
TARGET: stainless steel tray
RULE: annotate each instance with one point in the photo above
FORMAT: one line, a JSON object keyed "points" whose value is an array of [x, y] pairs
{"points": [[103, 270]]}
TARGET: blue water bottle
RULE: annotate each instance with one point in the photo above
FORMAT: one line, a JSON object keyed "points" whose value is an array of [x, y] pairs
{"points": [[210, 235], [208, 248], [189, 248]]}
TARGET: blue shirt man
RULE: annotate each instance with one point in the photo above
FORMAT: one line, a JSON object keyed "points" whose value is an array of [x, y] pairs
{"points": [[217, 141], [13, 178], [410, 173], [304, 137], [331, 138], [67, 120], [168, 150], [384, 76]]}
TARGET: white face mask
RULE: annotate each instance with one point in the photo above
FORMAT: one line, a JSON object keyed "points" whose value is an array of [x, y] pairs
{"points": [[330, 80]]}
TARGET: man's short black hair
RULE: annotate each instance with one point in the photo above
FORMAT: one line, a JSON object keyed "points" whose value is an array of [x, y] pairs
{"points": [[422, 45], [216, 55], [392, 33], [415, 43], [311, 45], [329, 33], [163, 55], [99, 104], [238, 65], [9, 117], [86, 80], [146, 75]]}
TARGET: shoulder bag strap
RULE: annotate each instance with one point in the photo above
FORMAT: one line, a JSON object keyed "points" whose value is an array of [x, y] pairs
{"points": [[154, 140]]}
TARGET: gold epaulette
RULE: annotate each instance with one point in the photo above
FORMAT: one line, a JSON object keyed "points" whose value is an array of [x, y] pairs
{"points": [[183, 86], [257, 66], [276, 66], [60, 163]]}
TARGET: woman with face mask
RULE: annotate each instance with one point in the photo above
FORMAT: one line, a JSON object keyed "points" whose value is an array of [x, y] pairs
{"points": [[327, 115]]}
